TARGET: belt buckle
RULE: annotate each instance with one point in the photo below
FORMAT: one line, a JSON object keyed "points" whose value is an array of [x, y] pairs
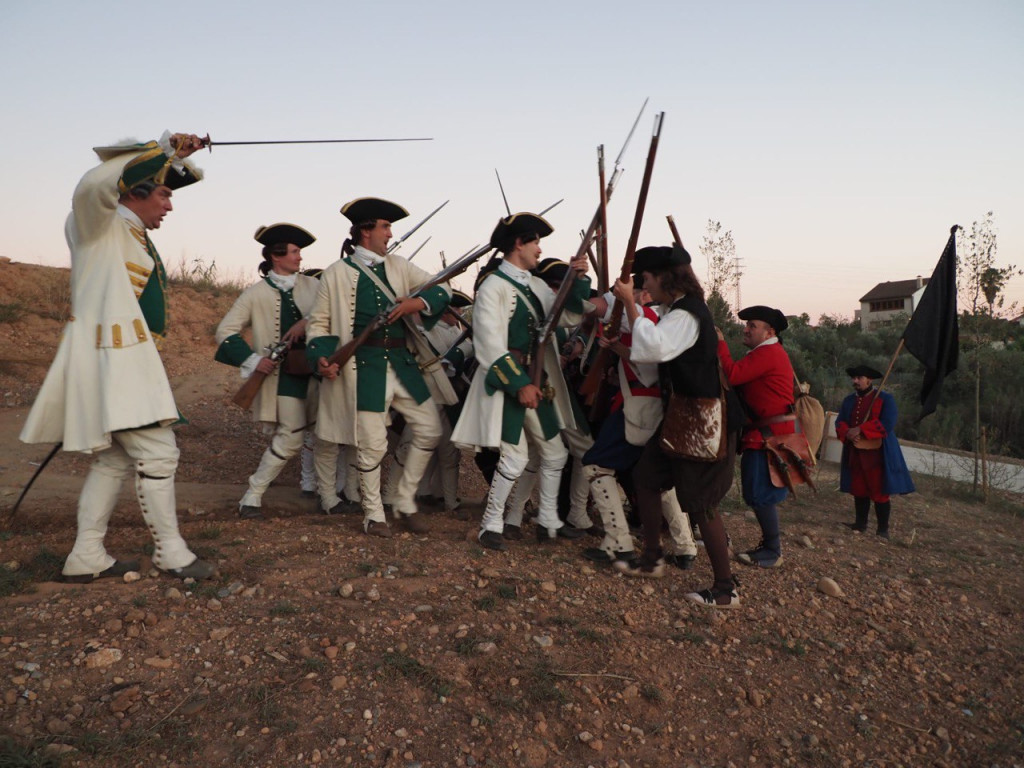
{"points": [[548, 392]]}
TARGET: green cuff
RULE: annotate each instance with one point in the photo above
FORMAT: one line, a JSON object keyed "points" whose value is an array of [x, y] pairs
{"points": [[507, 375], [233, 351]]}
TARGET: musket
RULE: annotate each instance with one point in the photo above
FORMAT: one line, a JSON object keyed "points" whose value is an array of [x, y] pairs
{"points": [[592, 383], [394, 246], [209, 144], [551, 319], [247, 392], [675, 232], [593, 261], [557, 202], [508, 211], [602, 243], [413, 254]]}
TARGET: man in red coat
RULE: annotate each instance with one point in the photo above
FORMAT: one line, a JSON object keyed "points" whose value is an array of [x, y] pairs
{"points": [[763, 378]]}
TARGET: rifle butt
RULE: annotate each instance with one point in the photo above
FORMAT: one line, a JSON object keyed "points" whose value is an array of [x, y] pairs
{"points": [[247, 392]]}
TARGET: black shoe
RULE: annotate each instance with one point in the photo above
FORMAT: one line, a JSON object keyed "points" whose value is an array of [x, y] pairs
{"points": [[598, 555], [250, 513], [682, 562], [309, 494], [591, 530], [119, 568], [343, 507], [512, 532], [715, 598], [856, 528], [197, 570], [883, 534], [565, 532], [492, 540]]}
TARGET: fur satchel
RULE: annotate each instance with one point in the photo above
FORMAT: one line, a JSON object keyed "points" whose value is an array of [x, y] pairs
{"points": [[694, 428]]}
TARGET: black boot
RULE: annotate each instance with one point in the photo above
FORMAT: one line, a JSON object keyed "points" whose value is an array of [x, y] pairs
{"points": [[861, 507], [882, 510]]}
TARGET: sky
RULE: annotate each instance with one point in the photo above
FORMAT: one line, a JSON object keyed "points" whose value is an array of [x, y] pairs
{"points": [[837, 142]]}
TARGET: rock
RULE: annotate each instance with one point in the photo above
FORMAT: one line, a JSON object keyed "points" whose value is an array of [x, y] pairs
{"points": [[805, 542], [367, 714], [113, 626], [647, 590], [134, 616], [486, 648], [124, 699], [56, 726], [585, 736], [173, 593], [401, 733], [829, 587], [331, 652], [756, 698], [373, 595], [131, 576], [345, 590], [103, 657], [489, 573], [159, 663], [548, 586], [597, 745], [219, 633], [544, 641], [628, 620], [338, 682]]}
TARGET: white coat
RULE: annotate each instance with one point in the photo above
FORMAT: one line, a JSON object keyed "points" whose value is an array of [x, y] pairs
{"points": [[259, 307], [107, 374], [479, 424]]}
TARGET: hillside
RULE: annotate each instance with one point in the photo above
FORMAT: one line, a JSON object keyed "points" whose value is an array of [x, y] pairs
{"points": [[319, 645]]}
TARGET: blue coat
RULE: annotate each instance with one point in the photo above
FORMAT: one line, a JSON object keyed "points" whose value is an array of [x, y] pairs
{"points": [[897, 476]]}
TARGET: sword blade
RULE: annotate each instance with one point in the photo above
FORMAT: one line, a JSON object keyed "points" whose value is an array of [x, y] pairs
{"points": [[212, 144]]}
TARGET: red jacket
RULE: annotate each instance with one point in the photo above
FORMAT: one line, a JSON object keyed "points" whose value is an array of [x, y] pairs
{"points": [[764, 379]]}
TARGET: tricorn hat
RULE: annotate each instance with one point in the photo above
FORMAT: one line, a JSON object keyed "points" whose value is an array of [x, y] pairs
{"points": [[551, 270], [461, 299], [518, 225], [149, 164], [284, 233], [364, 209], [655, 257], [773, 317], [863, 370]]}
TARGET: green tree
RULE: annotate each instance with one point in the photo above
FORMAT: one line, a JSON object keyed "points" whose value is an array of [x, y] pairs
{"points": [[723, 274]]}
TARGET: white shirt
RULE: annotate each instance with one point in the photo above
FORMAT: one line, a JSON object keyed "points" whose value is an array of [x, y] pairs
{"points": [[665, 340]]}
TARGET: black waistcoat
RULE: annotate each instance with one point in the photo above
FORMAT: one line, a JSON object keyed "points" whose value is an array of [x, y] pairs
{"points": [[694, 373]]}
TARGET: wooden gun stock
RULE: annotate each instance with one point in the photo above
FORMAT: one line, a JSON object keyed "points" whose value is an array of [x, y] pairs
{"points": [[344, 353], [247, 392], [592, 384]]}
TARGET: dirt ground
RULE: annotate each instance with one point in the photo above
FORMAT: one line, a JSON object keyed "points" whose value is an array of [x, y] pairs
{"points": [[319, 645]]}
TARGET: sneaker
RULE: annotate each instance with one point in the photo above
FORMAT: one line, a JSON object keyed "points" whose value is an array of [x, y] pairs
{"points": [[197, 569], [715, 598], [640, 569], [492, 540], [512, 532], [119, 568], [761, 557], [378, 529], [247, 512]]}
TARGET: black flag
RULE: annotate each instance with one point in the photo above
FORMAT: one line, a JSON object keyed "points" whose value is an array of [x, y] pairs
{"points": [[932, 335]]}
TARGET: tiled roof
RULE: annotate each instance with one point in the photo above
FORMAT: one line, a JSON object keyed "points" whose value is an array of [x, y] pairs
{"points": [[899, 289]]}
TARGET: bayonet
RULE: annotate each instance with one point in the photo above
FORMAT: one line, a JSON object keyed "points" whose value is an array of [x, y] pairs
{"points": [[394, 246], [413, 254], [508, 211]]}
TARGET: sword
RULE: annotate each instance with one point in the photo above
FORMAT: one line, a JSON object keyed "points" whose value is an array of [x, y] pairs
{"points": [[209, 144], [394, 246], [24, 491]]}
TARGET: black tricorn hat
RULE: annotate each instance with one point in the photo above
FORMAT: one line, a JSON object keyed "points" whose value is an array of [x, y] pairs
{"points": [[863, 370], [551, 270], [773, 317], [655, 257], [284, 233], [461, 299], [518, 225], [364, 209]]}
